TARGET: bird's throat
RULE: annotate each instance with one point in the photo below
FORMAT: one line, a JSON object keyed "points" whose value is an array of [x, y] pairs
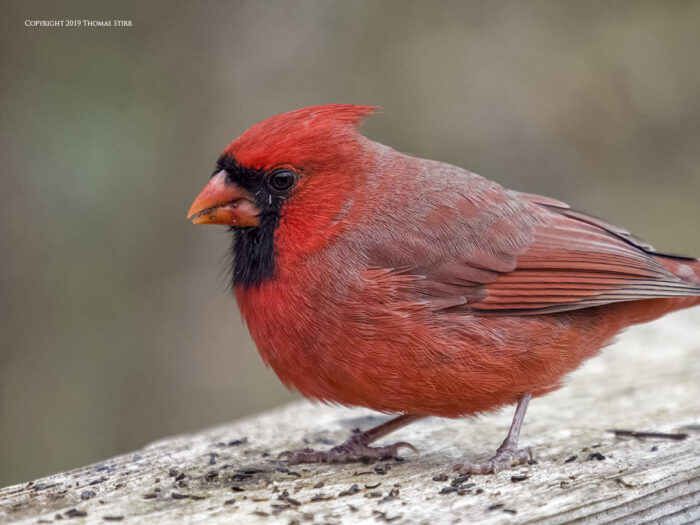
{"points": [[254, 252]]}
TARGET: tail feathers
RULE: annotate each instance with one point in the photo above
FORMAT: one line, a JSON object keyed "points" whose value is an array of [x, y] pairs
{"points": [[688, 270], [684, 268]]}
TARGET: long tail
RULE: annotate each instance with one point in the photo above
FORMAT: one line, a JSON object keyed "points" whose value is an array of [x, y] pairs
{"points": [[686, 269]]}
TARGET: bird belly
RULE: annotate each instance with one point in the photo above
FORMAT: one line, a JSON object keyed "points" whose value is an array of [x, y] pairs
{"points": [[431, 363]]}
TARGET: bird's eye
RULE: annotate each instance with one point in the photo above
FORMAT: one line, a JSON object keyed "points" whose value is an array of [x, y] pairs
{"points": [[282, 180]]}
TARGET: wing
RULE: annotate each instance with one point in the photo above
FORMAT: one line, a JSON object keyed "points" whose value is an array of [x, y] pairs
{"points": [[532, 255], [577, 261]]}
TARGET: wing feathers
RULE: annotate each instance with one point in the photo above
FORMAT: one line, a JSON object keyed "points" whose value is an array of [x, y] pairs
{"points": [[574, 261]]}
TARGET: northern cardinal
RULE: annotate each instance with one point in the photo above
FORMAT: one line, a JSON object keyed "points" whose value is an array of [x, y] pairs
{"points": [[369, 277]]}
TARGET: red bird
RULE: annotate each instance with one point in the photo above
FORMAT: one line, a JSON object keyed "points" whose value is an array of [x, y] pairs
{"points": [[373, 278]]}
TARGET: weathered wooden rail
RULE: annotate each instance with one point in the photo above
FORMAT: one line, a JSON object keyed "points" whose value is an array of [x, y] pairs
{"points": [[648, 381]]}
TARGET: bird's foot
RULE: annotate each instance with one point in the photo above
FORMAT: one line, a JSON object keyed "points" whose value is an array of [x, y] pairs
{"points": [[505, 458], [354, 449]]}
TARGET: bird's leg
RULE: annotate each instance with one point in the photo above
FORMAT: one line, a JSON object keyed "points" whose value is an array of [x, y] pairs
{"points": [[508, 454], [356, 447]]}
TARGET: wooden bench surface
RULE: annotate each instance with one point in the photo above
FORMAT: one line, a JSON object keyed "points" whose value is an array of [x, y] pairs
{"points": [[648, 381]]}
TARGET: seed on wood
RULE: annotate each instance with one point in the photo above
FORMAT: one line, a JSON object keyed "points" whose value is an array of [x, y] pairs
{"points": [[464, 489], [354, 489], [98, 481], [289, 500], [459, 480], [383, 516], [596, 455]]}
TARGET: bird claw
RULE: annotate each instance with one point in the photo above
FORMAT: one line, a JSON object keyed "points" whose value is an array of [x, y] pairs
{"points": [[351, 450], [504, 459]]}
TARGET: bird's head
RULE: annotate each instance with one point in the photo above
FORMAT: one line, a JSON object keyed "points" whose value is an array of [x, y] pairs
{"points": [[293, 171]]}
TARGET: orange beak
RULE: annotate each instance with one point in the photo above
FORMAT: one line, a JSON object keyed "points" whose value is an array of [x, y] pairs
{"points": [[223, 202]]}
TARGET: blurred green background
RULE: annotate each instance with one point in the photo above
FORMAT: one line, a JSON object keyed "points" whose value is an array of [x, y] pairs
{"points": [[117, 327]]}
